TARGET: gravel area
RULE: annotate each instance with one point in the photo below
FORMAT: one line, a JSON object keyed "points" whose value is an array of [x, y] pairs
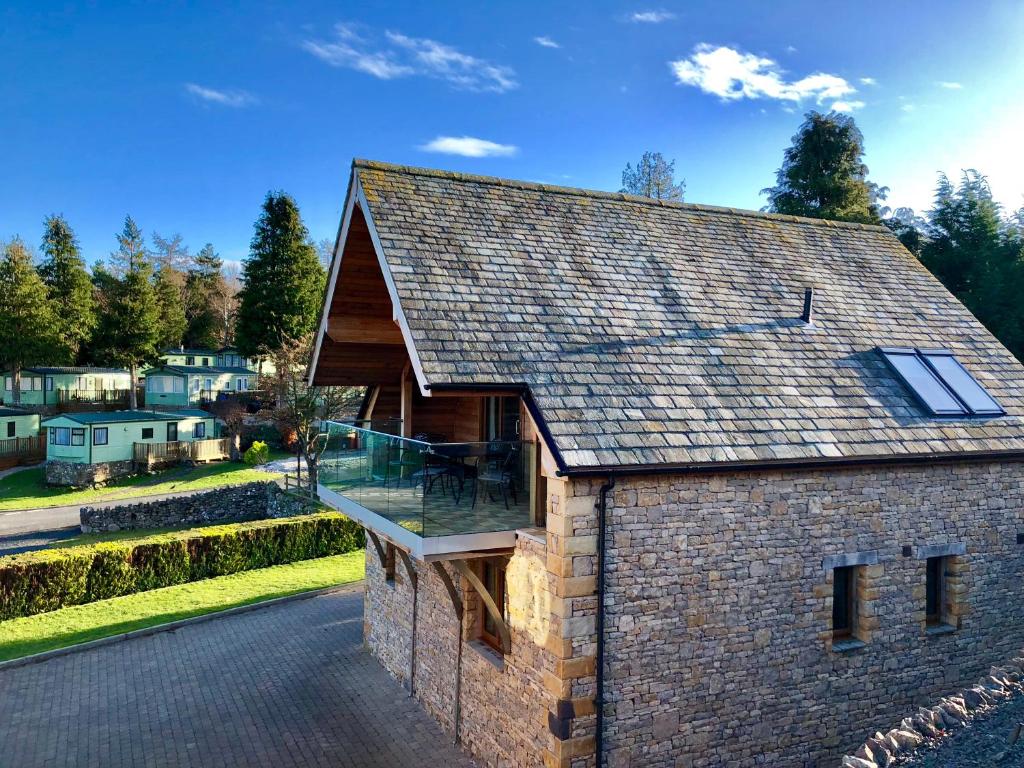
{"points": [[984, 743]]}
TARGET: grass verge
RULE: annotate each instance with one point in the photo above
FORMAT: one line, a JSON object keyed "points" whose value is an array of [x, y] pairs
{"points": [[81, 623], [28, 490]]}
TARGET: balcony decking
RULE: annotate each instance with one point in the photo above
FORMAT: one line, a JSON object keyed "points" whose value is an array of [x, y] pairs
{"points": [[420, 491]]}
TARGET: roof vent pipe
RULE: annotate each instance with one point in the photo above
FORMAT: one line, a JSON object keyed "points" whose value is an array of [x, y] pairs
{"points": [[808, 313]]}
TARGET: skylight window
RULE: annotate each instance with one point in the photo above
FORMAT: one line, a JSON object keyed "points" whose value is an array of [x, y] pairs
{"points": [[940, 383]]}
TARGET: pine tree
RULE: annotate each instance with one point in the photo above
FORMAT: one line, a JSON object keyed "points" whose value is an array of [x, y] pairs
{"points": [[204, 289], [129, 332], [283, 281], [823, 174], [131, 249], [71, 290], [171, 324], [978, 256], [653, 177], [27, 324]]}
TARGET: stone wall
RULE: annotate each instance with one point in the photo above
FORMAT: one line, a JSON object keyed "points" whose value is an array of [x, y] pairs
{"points": [[504, 702], [251, 501], [719, 639], [68, 473]]}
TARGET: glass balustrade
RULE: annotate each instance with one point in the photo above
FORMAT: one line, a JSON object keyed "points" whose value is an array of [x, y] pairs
{"points": [[431, 488]]}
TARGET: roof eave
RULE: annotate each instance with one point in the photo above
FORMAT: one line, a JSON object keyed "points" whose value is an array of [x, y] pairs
{"points": [[824, 462]]}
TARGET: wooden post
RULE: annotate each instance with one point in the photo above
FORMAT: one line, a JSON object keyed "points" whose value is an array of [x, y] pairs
{"points": [[406, 401]]}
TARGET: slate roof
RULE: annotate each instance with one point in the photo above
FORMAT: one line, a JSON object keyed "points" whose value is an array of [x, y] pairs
{"points": [[51, 370], [10, 412], [654, 333], [202, 369], [118, 417]]}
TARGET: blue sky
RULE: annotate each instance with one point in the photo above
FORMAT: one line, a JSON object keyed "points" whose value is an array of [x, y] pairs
{"points": [[185, 115]]}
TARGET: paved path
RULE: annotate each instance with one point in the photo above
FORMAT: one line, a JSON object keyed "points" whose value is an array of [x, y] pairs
{"points": [[280, 687]]}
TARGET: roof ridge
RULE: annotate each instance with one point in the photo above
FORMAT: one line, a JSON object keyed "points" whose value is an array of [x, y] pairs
{"points": [[601, 194]]}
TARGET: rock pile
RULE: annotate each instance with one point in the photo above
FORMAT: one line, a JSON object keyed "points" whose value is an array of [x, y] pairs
{"points": [[933, 724]]}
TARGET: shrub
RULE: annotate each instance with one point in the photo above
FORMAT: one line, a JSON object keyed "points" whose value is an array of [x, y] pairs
{"points": [[37, 582], [258, 453], [264, 433]]}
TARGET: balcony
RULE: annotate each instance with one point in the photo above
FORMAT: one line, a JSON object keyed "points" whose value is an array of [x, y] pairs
{"points": [[432, 497]]}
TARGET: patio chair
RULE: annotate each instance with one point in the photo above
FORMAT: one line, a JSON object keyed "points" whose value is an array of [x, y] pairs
{"points": [[499, 472]]}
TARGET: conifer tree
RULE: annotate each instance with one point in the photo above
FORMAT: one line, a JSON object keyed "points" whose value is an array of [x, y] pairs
{"points": [[204, 289], [170, 310], [27, 327], [131, 248], [70, 287], [978, 256], [283, 281], [129, 332], [654, 176], [823, 174]]}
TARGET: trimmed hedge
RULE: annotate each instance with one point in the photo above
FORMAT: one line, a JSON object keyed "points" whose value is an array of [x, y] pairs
{"points": [[37, 582]]}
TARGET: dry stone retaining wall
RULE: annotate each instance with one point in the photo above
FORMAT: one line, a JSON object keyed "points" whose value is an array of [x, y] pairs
{"points": [[930, 725], [77, 475], [251, 501]]}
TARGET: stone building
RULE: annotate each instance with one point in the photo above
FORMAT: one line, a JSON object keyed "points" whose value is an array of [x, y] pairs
{"points": [[658, 484]]}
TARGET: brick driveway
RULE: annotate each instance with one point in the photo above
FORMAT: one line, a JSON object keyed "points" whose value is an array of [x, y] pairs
{"points": [[282, 686]]}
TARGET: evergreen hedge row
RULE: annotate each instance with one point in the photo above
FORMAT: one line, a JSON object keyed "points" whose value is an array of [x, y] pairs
{"points": [[36, 582]]}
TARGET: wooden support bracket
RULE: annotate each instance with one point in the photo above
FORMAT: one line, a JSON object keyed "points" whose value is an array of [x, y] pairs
{"points": [[379, 547], [453, 593], [413, 576], [492, 608]]}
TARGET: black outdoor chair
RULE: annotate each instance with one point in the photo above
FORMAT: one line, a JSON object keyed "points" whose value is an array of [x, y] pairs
{"points": [[501, 473]]}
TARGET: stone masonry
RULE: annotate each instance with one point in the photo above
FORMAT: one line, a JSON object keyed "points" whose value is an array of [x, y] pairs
{"points": [[718, 616], [83, 475], [534, 707], [719, 642], [251, 501]]}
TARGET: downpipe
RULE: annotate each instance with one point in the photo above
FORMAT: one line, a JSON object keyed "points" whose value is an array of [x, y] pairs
{"points": [[602, 509]]}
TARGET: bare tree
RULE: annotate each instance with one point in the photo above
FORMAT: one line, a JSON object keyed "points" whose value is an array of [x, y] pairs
{"points": [[302, 409]]}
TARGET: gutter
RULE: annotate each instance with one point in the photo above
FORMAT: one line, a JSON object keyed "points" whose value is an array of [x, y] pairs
{"points": [[843, 462], [602, 509]]}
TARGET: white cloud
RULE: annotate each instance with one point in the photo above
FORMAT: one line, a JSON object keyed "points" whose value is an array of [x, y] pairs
{"points": [[847, 106], [400, 55], [790, 49], [868, 81], [731, 75], [224, 98], [950, 85], [908, 107], [652, 17], [469, 146], [546, 42]]}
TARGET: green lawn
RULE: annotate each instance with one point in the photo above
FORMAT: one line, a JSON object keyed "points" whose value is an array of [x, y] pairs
{"points": [[68, 626], [27, 489]]}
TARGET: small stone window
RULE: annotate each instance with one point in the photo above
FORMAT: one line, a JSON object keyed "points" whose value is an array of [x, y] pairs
{"points": [[853, 584], [844, 603], [943, 594], [935, 590]]}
